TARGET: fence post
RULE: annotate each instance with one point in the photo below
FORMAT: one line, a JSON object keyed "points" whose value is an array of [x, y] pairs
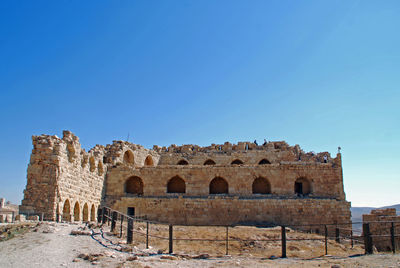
{"points": [[227, 241], [122, 221], [337, 235], [113, 220], [147, 234], [283, 229], [99, 215], [109, 216], [392, 238], [351, 237], [326, 240], [129, 235], [104, 215], [170, 239], [367, 239]]}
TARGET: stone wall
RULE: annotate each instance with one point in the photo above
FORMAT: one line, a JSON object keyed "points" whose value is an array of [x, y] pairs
{"points": [[380, 222]]}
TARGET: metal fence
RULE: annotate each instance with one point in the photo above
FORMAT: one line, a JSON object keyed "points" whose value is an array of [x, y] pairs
{"points": [[230, 239]]}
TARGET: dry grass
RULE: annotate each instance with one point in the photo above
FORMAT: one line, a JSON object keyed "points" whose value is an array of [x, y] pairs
{"points": [[243, 240], [9, 231]]}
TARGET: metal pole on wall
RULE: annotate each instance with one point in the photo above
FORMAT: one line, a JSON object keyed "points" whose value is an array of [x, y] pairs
{"points": [[337, 235], [147, 234], [122, 222], [170, 239], [129, 235], [283, 229], [99, 215], [113, 220], [392, 238], [227, 241], [326, 240]]}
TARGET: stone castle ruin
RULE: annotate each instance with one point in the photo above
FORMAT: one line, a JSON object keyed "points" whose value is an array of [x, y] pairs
{"points": [[224, 184]]}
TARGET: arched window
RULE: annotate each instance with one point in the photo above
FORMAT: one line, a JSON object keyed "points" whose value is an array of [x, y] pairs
{"points": [[219, 186], [302, 186], [264, 162], [85, 216], [148, 161], [176, 185], [100, 168], [66, 211], [128, 157], [237, 162], [134, 185], [77, 212], [93, 213], [92, 164], [183, 162], [261, 186], [209, 162]]}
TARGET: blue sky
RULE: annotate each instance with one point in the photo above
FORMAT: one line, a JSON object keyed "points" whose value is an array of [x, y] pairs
{"points": [[320, 74]]}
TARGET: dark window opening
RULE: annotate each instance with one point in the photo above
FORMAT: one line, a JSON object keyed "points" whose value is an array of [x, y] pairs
{"points": [[264, 162], [131, 211], [209, 162], [298, 188], [237, 162], [183, 162]]}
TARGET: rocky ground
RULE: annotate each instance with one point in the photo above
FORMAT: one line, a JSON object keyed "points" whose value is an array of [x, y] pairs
{"points": [[74, 245]]}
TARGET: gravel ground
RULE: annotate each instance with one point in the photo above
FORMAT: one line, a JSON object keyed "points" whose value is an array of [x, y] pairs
{"points": [[51, 245]]}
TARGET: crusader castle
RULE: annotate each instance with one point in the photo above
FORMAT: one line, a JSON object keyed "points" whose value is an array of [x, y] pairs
{"points": [[220, 184]]}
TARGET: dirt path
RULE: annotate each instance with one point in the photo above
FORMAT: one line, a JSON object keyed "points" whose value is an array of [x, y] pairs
{"points": [[51, 245]]}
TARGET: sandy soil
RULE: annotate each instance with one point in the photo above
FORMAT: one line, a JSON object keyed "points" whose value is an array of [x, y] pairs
{"points": [[51, 245]]}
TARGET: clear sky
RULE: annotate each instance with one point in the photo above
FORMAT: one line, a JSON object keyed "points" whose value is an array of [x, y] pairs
{"points": [[320, 74]]}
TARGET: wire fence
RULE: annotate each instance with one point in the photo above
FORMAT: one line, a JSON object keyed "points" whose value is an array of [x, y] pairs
{"points": [[318, 239]]}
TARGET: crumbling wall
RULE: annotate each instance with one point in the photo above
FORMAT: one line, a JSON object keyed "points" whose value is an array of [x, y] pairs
{"points": [[380, 222]]}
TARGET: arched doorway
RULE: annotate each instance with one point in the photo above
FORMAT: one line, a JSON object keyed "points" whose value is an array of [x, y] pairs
{"points": [[134, 185], [77, 212], [261, 186], [176, 185], [219, 186], [85, 216], [93, 213], [302, 186], [66, 216]]}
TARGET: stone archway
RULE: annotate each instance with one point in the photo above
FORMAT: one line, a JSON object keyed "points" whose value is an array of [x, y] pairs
{"points": [[176, 185], [93, 213], [85, 212], [66, 216], [77, 212], [261, 186], [128, 157], [219, 186], [148, 161], [134, 185]]}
